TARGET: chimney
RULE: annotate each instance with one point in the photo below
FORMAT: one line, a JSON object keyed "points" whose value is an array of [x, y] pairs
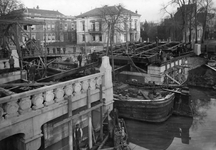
{"points": [[37, 7], [136, 11]]}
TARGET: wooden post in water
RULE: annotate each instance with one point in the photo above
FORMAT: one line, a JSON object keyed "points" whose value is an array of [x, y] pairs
{"points": [[70, 123], [89, 119], [101, 113]]}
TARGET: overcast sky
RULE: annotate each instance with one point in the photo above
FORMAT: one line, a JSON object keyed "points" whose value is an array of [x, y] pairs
{"points": [[148, 9]]}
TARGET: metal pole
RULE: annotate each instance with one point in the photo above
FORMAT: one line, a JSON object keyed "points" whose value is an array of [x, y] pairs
{"points": [[70, 123], [126, 36], [45, 50], [89, 119]]}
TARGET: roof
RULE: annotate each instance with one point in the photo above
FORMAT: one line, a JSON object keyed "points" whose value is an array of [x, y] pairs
{"points": [[108, 9], [44, 12], [17, 16], [24, 21]]}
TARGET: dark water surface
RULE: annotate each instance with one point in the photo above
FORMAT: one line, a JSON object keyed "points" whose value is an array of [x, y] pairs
{"points": [[180, 133]]}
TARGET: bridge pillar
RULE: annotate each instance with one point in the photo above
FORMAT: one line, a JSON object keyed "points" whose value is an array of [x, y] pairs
{"points": [[33, 143], [107, 83]]}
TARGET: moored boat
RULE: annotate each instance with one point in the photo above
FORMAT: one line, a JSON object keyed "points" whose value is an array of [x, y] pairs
{"points": [[142, 104]]}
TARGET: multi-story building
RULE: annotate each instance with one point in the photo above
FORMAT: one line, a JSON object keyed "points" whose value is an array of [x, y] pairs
{"points": [[92, 27], [57, 28]]}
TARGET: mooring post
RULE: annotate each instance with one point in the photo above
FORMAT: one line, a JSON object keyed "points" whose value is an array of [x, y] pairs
{"points": [[89, 119], [70, 123], [101, 113]]}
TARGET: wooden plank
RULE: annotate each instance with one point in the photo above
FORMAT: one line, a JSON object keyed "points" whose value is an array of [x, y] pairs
{"points": [[70, 124], [173, 79], [101, 145], [67, 73], [89, 119], [6, 91], [78, 115], [27, 84], [101, 113]]}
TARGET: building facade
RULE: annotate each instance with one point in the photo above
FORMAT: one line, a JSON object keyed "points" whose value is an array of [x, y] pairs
{"points": [[57, 28], [91, 27]]}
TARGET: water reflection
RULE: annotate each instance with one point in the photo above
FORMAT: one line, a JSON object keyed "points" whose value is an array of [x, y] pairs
{"points": [[182, 133], [159, 136]]}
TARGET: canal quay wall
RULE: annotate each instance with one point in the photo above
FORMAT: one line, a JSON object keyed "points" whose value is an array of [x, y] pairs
{"points": [[25, 117]]}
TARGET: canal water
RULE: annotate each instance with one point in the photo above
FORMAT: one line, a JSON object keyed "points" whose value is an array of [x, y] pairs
{"points": [[179, 133]]}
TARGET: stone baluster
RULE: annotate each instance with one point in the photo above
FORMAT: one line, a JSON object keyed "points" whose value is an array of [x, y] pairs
{"points": [[85, 85], [59, 94], [49, 97], [77, 88], [37, 101], [11, 109], [92, 84], [98, 82], [25, 105], [68, 90]]}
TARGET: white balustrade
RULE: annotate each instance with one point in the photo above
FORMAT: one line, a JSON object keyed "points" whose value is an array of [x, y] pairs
{"points": [[22, 103]]}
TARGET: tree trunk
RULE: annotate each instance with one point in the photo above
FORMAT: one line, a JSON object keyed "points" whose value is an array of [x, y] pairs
{"points": [[111, 43], [196, 22], [204, 23], [108, 40]]}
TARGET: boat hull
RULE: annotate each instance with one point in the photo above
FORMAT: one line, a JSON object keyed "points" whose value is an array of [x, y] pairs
{"points": [[146, 110]]}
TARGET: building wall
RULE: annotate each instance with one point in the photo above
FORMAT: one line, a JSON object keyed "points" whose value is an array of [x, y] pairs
{"points": [[56, 29], [133, 33]]}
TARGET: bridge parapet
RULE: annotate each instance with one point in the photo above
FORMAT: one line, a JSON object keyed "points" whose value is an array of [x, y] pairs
{"points": [[27, 112], [17, 105]]}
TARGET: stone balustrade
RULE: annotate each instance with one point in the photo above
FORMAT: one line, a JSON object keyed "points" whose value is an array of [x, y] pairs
{"points": [[19, 104], [27, 112]]}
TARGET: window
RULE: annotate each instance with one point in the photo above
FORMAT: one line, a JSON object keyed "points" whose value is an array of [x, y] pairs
{"points": [[100, 37], [93, 26], [135, 24], [33, 27], [83, 37], [53, 36], [66, 26], [131, 20], [125, 26], [48, 27], [49, 37], [72, 26], [100, 26], [93, 37], [53, 26], [25, 27], [60, 25], [83, 25], [125, 37]]}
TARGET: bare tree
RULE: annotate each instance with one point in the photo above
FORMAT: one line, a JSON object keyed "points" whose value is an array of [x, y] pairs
{"points": [[114, 21], [7, 6], [184, 15], [206, 13]]}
